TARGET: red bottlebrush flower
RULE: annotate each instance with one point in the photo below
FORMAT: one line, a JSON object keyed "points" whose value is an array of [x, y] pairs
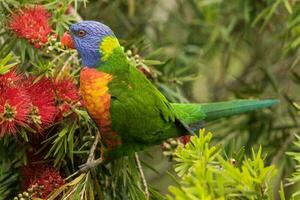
{"points": [[31, 24], [43, 109], [14, 109], [49, 181], [185, 139], [29, 174], [67, 95], [10, 79], [62, 110], [66, 90], [43, 180]]}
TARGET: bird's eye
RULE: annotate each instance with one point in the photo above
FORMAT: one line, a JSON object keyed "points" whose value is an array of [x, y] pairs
{"points": [[81, 33]]}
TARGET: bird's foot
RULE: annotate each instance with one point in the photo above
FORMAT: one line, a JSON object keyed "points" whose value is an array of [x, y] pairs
{"points": [[90, 165], [91, 161]]}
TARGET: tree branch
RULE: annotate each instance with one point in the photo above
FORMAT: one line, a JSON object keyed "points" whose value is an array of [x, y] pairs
{"points": [[91, 162], [139, 166]]}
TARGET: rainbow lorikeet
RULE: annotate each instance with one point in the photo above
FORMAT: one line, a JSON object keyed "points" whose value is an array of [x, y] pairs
{"points": [[130, 112]]}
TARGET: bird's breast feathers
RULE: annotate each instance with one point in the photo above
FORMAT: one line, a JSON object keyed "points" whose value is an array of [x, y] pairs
{"points": [[97, 100]]}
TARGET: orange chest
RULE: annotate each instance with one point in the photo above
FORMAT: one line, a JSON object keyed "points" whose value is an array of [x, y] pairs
{"points": [[95, 94]]}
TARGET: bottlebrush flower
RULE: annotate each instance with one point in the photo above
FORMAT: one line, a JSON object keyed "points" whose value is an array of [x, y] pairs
{"points": [[10, 79], [66, 95], [66, 90], [169, 146], [185, 139], [62, 110], [49, 181], [31, 24], [43, 109], [43, 180], [14, 109], [30, 173]]}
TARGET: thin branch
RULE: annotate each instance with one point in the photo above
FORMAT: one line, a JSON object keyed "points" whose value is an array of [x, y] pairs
{"points": [[84, 187], [94, 146], [66, 64], [75, 14], [72, 175], [283, 149], [91, 162], [90, 165], [71, 192], [139, 166]]}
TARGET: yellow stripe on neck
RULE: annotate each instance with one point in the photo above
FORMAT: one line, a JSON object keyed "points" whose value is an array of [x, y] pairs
{"points": [[107, 46]]}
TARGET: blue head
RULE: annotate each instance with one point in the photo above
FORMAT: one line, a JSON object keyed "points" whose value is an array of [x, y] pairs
{"points": [[87, 36]]}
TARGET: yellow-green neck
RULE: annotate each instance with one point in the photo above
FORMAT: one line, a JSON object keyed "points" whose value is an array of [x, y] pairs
{"points": [[107, 47]]}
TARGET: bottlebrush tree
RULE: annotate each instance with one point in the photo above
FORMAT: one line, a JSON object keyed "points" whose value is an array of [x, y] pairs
{"points": [[46, 134]]}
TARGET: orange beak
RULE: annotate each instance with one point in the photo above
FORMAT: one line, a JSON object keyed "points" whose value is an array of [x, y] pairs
{"points": [[67, 41]]}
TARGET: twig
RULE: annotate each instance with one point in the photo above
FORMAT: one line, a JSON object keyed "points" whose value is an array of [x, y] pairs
{"points": [[89, 165], [66, 64], [283, 149], [71, 192], [74, 13], [72, 175], [93, 148], [139, 166], [91, 162], [84, 187], [58, 57]]}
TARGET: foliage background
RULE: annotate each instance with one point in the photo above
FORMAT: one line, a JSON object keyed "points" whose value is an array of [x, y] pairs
{"points": [[213, 50], [233, 49]]}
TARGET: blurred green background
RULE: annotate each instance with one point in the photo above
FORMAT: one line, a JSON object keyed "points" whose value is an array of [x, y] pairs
{"points": [[214, 50]]}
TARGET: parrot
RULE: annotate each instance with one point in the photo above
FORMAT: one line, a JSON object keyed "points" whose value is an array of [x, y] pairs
{"points": [[129, 111]]}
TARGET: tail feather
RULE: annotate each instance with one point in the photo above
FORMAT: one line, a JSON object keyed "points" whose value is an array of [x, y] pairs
{"points": [[193, 113]]}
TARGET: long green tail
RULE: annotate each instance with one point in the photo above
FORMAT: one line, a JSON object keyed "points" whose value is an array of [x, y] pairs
{"points": [[193, 113]]}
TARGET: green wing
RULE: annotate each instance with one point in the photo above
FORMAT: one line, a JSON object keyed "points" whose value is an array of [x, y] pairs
{"points": [[139, 112]]}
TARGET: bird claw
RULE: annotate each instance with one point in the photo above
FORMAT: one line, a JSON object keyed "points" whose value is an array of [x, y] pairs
{"points": [[90, 165], [91, 162]]}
